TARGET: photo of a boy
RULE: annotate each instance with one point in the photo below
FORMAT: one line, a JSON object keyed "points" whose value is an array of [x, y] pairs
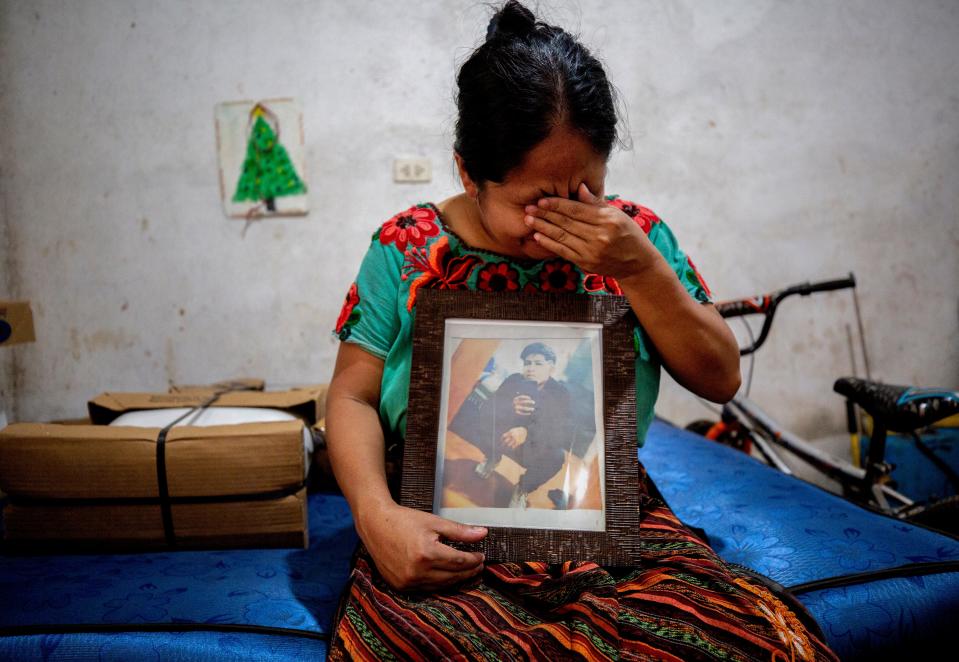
{"points": [[531, 423]]}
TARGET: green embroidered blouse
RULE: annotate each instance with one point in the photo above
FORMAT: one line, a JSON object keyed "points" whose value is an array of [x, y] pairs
{"points": [[415, 249]]}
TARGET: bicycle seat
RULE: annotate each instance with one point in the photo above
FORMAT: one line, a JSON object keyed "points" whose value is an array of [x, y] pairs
{"points": [[899, 408]]}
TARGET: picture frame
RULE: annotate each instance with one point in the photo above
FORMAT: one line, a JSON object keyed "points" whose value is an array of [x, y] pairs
{"points": [[522, 419], [261, 151]]}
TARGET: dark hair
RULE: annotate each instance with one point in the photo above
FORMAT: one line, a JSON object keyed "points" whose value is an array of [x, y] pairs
{"points": [[539, 348], [527, 78]]}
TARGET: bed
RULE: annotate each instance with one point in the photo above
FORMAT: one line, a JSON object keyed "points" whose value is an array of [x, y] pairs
{"points": [[876, 586]]}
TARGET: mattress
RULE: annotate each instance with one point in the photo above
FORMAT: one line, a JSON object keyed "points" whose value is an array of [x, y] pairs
{"points": [[875, 584], [207, 605]]}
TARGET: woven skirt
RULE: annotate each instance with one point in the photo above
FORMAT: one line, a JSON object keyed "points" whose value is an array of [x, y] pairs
{"points": [[684, 603]]}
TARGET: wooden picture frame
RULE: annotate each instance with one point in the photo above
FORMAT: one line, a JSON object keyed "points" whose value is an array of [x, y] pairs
{"points": [[515, 380]]}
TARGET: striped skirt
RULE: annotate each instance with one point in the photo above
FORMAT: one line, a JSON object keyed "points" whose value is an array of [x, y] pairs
{"points": [[684, 603]]}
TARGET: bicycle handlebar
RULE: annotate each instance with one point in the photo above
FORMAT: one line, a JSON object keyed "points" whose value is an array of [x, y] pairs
{"points": [[766, 304], [827, 285]]}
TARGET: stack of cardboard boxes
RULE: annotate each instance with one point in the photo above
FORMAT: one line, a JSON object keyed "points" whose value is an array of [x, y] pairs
{"points": [[94, 486]]}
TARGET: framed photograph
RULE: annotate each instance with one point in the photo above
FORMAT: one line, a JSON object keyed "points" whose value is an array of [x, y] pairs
{"points": [[522, 419], [262, 158]]}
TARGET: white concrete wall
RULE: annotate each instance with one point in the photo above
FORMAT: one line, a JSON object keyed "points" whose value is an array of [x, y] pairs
{"points": [[783, 141]]}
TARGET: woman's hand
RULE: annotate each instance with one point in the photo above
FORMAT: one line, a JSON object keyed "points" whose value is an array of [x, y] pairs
{"points": [[406, 546], [514, 437], [596, 237], [696, 345]]}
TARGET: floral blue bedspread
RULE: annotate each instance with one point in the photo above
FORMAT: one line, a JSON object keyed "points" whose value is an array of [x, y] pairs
{"points": [[270, 604], [279, 604], [898, 584]]}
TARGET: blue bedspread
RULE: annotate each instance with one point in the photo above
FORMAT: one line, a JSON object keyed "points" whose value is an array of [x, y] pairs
{"points": [[796, 533], [278, 604], [248, 604]]}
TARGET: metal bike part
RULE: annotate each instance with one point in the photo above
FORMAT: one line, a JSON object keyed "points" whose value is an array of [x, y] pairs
{"points": [[833, 467], [939, 463], [852, 351], [855, 416], [766, 305], [851, 477], [862, 334], [880, 492], [761, 436], [772, 457]]}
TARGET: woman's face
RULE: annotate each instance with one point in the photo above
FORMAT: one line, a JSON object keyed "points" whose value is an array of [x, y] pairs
{"points": [[553, 168]]}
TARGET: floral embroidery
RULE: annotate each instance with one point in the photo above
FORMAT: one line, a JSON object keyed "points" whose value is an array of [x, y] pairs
{"points": [[788, 628], [696, 278], [412, 226], [598, 283], [530, 288], [558, 276], [439, 269], [498, 277], [643, 216], [348, 317]]}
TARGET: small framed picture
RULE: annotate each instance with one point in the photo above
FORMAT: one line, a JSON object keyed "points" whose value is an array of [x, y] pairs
{"points": [[262, 157], [522, 419]]}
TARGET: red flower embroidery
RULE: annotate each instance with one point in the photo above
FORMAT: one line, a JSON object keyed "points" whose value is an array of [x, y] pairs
{"points": [[597, 283], [530, 289], [498, 277], [558, 276], [643, 216], [439, 269], [347, 317], [412, 226]]}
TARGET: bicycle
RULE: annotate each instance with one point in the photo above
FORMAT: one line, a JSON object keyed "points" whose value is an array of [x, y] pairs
{"points": [[903, 409]]}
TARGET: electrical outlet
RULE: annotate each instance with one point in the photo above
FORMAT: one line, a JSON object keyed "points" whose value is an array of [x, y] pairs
{"points": [[412, 170]]}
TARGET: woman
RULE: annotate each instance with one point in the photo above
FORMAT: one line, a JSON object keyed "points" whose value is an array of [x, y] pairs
{"points": [[535, 129]]}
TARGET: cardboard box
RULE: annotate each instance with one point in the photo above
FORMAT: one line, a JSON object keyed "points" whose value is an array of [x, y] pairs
{"points": [[308, 403], [48, 461], [86, 487], [16, 323], [96, 486], [272, 523], [239, 384]]}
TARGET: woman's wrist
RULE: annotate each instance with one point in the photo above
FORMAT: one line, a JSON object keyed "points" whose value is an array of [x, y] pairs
{"points": [[651, 275], [369, 510], [694, 342]]}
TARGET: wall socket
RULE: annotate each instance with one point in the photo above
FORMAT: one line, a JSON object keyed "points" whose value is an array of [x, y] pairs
{"points": [[412, 170]]}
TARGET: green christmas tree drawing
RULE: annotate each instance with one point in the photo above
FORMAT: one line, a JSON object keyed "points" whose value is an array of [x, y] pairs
{"points": [[267, 171]]}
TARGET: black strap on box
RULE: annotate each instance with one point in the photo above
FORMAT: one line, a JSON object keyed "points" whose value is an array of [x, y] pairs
{"points": [[163, 487]]}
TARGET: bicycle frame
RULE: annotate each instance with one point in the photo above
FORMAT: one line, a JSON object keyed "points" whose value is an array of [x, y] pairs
{"points": [[766, 434], [866, 486]]}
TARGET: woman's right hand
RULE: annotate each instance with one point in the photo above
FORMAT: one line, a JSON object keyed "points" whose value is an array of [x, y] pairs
{"points": [[406, 547], [404, 543]]}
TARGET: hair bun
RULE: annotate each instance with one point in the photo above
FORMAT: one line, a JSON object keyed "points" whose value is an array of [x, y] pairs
{"points": [[512, 19]]}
